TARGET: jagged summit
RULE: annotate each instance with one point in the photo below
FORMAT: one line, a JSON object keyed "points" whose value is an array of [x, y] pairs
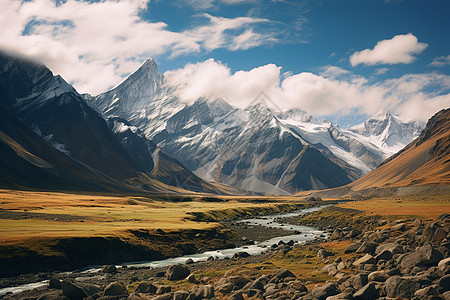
{"points": [[133, 94], [388, 131]]}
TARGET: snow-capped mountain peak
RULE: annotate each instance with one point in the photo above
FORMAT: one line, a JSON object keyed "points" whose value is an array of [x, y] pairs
{"points": [[133, 94], [388, 132], [256, 148]]}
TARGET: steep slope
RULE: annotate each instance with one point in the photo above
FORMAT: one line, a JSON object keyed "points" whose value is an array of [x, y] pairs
{"points": [[252, 148], [426, 160], [52, 139]]}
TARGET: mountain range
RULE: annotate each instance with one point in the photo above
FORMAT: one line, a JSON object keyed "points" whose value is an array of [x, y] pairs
{"points": [[50, 138], [253, 148], [141, 137]]}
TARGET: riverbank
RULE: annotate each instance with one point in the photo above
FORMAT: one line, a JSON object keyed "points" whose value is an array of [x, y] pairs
{"points": [[42, 232], [366, 257]]}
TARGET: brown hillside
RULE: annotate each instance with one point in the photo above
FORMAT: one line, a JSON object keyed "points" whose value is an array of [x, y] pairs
{"points": [[426, 160]]}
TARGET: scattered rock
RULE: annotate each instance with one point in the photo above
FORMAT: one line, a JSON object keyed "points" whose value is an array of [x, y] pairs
{"points": [[237, 296], [378, 276], [180, 295], [298, 286], [366, 259], [177, 272], [367, 247], [397, 286], [75, 291], [54, 284], [109, 269], [330, 269], [115, 289], [433, 233], [163, 289], [427, 291], [352, 248], [325, 291], [443, 264], [206, 292], [167, 296], [191, 278], [322, 253], [444, 282], [146, 287], [385, 255], [284, 273], [425, 256], [137, 296], [394, 248], [189, 261], [238, 281], [239, 255], [368, 292], [356, 281]]}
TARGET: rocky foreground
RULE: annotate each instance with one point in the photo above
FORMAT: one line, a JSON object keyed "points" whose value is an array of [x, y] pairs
{"points": [[370, 258]]}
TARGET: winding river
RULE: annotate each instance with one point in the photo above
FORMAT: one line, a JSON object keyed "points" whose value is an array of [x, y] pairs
{"points": [[304, 234]]}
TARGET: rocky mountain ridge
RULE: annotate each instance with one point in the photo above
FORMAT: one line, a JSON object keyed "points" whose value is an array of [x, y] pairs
{"points": [[51, 139], [254, 148]]}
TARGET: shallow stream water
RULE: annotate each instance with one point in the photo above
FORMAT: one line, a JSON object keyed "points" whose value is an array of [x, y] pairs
{"points": [[304, 234]]}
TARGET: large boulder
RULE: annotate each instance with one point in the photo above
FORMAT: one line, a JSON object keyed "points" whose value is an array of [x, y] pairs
{"points": [[368, 292], [366, 259], [322, 292], [330, 269], [444, 263], [111, 269], [73, 291], [426, 292], [426, 255], [257, 285], [385, 255], [378, 276], [163, 289], [54, 284], [146, 287], [205, 292], [284, 273], [241, 254], [444, 282], [356, 281], [394, 248], [180, 295], [298, 286], [367, 247], [78, 291], [115, 289], [238, 281], [177, 272], [434, 233], [397, 286], [352, 248], [322, 253]]}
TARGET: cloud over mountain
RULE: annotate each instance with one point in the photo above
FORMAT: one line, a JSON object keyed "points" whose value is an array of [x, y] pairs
{"points": [[335, 91]]}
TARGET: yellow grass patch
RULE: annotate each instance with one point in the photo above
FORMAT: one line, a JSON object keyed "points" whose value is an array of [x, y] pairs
{"points": [[425, 208], [100, 215]]}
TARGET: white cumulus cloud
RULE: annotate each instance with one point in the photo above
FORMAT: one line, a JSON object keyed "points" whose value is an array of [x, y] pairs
{"points": [[334, 92], [401, 49], [95, 44]]}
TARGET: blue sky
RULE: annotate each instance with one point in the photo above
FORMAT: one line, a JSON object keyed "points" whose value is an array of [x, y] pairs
{"points": [[341, 60]]}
